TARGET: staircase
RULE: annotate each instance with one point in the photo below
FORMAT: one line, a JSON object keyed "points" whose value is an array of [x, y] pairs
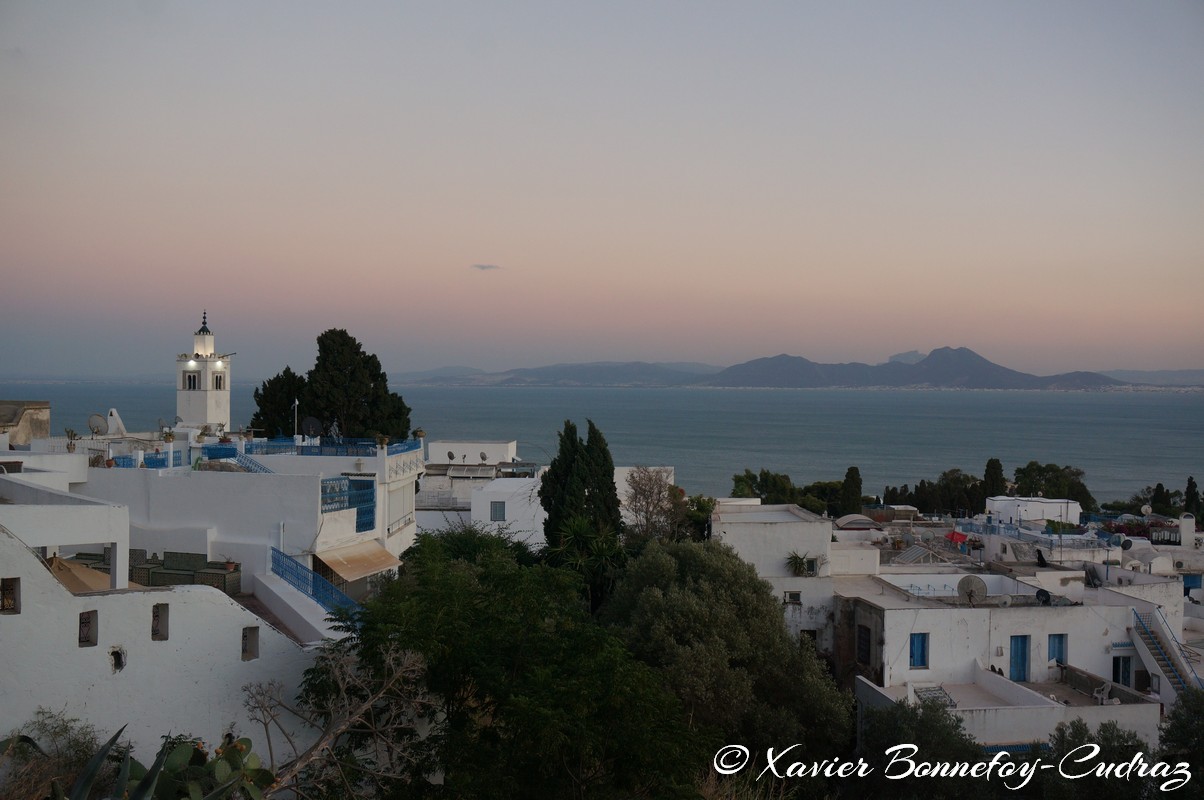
{"points": [[250, 464], [1161, 651]]}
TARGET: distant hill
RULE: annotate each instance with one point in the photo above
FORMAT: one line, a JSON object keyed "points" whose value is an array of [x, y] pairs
{"points": [[429, 374], [944, 367]]}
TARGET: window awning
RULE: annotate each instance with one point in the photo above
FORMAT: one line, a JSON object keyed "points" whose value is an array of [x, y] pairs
{"points": [[355, 561]]}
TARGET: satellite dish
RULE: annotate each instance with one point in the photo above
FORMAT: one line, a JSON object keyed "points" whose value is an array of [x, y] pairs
{"points": [[484, 457], [1127, 544], [451, 456], [179, 419], [908, 540], [972, 589], [98, 425], [162, 424], [1005, 600], [311, 427], [1147, 510], [1116, 540], [1044, 597], [927, 536]]}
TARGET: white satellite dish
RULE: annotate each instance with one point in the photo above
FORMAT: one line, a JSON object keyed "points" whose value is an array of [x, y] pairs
{"points": [[1147, 509], [98, 425]]}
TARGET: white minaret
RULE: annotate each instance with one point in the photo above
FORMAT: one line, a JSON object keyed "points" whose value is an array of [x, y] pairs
{"points": [[203, 382]]}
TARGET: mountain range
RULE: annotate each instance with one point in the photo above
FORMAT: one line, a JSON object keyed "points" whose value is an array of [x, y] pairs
{"points": [[943, 368]]}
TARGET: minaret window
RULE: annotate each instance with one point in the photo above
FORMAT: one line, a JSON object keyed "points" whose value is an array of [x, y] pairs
{"points": [[192, 381], [219, 382]]}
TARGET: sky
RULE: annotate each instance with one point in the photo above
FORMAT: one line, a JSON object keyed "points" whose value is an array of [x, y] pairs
{"points": [[502, 185]]}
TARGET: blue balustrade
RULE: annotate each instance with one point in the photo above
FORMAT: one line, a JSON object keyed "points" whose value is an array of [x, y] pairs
{"points": [[309, 583]]}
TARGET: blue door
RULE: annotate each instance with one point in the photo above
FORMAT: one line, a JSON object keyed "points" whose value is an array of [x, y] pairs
{"points": [[1019, 664]]}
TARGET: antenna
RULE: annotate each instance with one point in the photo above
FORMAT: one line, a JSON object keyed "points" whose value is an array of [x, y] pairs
{"points": [[972, 589], [484, 457], [311, 427], [451, 456], [98, 425], [1044, 597]]}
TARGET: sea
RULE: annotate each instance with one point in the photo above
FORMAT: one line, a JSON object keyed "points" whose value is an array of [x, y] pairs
{"points": [[1123, 440]]}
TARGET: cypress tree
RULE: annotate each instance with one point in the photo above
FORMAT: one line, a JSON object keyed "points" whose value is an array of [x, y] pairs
{"points": [[562, 487], [601, 494], [994, 483]]}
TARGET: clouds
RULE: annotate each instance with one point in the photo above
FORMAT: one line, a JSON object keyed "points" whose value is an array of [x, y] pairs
{"points": [[485, 267]]}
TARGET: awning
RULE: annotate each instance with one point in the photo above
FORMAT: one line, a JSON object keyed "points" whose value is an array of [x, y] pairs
{"points": [[356, 561], [956, 537]]}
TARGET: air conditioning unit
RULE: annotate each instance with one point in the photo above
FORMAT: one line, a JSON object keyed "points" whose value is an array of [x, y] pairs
{"points": [[1178, 565]]}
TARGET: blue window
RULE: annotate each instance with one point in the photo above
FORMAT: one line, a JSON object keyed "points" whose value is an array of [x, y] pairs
{"points": [[919, 651], [1057, 647]]}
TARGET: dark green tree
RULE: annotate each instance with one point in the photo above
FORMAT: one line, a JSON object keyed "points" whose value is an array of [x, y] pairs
{"points": [[1074, 780], [994, 484], [601, 494], [699, 615], [933, 729], [348, 386], [562, 486], [580, 482], [1191, 498], [850, 492], [274, 403], [1050, 480], [529, 697], [1181, 739]]}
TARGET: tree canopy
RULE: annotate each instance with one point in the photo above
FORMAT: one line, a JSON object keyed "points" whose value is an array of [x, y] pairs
{"points": [[532, 697], [346, 387], [580, 482], [699, 615]]}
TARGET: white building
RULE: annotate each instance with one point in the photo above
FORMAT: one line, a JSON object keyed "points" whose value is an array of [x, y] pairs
{"points": [[1018, 510], [159, 660]]}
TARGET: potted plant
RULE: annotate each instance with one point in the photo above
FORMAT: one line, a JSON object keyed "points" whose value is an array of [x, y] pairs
{"points": [[169, 436], [382, 441], [230, 563], [71, 438]]}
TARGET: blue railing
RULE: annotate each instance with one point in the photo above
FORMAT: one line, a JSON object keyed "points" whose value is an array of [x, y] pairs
{"points": [[152, 460], [250, 464], [1188, 656], [217, 452], [309, 583], [272, 447], [342, 493], [1170, 664], [359, 448]]}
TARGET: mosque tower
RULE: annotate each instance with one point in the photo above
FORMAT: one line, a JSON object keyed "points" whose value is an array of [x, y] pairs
{"points": [[203, 383]]}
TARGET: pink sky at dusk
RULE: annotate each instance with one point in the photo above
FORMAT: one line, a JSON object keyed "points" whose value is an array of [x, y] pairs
{"points": [[655, 181]]}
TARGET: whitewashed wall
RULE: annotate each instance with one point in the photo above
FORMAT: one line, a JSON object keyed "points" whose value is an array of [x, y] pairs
{"points": [[190, 683]]}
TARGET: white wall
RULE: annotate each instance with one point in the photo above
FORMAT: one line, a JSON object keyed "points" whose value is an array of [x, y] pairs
{"points": [[1014, 510], [469, 452], [524, 515], [189, 684], [245, 510]]}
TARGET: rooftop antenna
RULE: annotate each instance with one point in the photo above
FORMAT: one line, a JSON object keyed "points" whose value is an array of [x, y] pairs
{"points": [[98, 425], [972, 589]]}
